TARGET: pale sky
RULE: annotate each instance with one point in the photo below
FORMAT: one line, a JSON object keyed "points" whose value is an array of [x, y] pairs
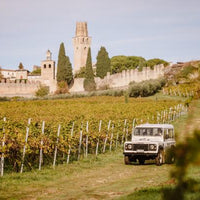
{"points": [[167, 29]]}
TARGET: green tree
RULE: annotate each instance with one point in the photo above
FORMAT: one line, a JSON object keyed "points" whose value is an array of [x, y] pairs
{"points": [[42, 91], [89, 83], [21, 66], [80, 73], [36, 72], [103, 63], [156, 61], [1, 75], [120, 63], [64, 69]]}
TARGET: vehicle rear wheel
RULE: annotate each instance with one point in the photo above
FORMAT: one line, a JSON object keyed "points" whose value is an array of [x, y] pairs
{"points": [[141, 161], [160, 158], [170, 155], [127, 160]]}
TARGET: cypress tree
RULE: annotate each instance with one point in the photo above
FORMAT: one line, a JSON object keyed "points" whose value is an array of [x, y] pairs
{"points": [[1, 75], [69, 71], [103, 63], [89, 83], [21, 66], [64, 69]]}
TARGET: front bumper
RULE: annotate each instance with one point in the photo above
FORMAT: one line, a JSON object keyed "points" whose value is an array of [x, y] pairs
{"points": [[136, 153]]}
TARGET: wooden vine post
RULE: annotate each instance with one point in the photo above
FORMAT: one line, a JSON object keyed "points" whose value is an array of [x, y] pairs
{"points": [[105, 141], [24, 149], [133, 128], [41, 143], [97, 146], [3, 144], [111, 137], [117, 138], [124, 131], [80, 141], [86, 142], [69, 151], [56, 147]]}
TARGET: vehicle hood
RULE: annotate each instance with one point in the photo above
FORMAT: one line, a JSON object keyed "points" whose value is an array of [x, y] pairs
{"points": [[147, 139]]}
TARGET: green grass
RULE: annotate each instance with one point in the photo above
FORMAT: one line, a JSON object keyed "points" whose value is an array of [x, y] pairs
{"points": [[150, 194], [105, 177], [181, 126]]}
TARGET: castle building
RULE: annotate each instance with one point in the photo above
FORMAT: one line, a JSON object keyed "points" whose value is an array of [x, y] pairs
{"points": [[8, 74], [22, 83], [48, 67], [81, 44]]}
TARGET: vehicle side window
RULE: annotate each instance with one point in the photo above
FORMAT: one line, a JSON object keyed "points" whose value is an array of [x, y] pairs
{"points": [[171, 133], [166, 134]]}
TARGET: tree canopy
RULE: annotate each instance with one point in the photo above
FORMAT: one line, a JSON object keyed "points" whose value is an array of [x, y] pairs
{"points": [[1, 75], [103, 63], [89, 83], [64, 68], [21, 66], [120, 63], [156, 61]]}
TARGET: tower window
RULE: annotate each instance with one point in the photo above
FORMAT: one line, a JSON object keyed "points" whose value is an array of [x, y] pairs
{"points": [[45, 66], [77, 48], [85, 48], [49, 65]]}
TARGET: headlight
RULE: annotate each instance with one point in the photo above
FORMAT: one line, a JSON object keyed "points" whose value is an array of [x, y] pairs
{"points": [[128, 146], [152, 147]]}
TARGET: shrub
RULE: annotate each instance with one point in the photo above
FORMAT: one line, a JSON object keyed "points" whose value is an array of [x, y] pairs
{"points": [[4, 99], [62, 88], [134, 90], [80, 73], [42, 91], [145, 88], [89, 84]]}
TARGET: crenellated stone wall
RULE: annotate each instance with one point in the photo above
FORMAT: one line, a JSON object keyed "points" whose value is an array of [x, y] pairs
{"points": [[119, 80], [122, 79], [22, 88], [18, 88]]}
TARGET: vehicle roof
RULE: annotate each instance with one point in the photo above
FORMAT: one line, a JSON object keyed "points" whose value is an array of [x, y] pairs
{"points": [[155, 126]]}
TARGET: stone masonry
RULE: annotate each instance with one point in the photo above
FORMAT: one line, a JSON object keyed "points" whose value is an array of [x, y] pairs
{"points": [[81, 43]]}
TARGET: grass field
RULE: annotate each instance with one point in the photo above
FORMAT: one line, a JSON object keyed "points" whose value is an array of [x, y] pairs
{"points": [[104, 177]]}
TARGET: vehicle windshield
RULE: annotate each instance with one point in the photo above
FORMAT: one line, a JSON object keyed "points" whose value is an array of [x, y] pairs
{"points": [[148, 132]]}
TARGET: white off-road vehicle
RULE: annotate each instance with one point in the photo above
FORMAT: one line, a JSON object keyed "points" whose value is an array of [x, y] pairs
{"points": [[150, 142]]}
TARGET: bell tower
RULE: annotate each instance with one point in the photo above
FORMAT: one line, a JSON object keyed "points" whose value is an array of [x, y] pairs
{"points": [[48, 67], [81, 43]]}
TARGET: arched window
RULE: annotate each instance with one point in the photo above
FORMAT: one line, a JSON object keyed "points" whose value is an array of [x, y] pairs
{"points": [[85, 48], [49, 65], [45, 66]]}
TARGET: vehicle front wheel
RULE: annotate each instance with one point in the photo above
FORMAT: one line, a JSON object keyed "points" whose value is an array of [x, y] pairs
{"points": [[127, 160], [160, 158]]}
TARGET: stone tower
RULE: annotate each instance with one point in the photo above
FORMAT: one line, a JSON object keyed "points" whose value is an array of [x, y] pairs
{"points": [[48, 67], [81, 43]]}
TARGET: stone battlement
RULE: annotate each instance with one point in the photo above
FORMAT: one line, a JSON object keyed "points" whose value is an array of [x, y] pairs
{"points": [[122, 79], [26, 82], [18, 88]]}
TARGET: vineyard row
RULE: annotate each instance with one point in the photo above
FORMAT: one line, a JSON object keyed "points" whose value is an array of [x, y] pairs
{"points": [[34, 145]]}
